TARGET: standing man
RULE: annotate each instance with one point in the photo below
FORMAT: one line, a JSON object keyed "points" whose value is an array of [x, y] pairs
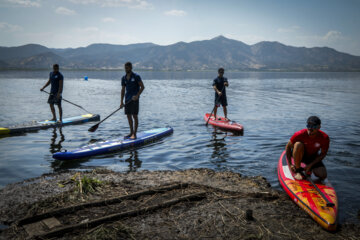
{"points": [[134, 86], [219, 85], [56, 79], [305, 145]]}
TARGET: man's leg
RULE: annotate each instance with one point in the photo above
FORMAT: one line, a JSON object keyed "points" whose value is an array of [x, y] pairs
{"points": [[136, 123], [53, 112], [60, 112], [225, 112], [320, 172], [130, 124], [298, 153], [215, 111]]}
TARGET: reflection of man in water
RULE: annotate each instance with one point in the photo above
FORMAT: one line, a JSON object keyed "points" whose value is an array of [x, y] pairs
{"points": [[56, 147], [219, 153], [134, 162]]}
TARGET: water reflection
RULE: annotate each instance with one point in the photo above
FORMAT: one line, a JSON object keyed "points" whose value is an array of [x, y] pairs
{"points": [[133, 160], [56, 146], [219, 149]]}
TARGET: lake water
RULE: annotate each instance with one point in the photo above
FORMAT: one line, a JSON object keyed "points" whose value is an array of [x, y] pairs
{"points": [[271, 106]]}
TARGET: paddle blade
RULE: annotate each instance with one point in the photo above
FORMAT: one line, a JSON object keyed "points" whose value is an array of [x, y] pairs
{"points": [[93, 128]]}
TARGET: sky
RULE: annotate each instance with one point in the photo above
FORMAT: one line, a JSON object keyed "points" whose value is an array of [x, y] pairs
{"points": [[79, 23]]}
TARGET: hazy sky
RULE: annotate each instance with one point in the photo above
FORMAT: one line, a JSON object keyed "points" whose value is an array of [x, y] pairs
{"points": [[75, 23]]}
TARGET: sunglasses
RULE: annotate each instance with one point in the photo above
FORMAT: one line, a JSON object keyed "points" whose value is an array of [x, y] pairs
{"points": [[312, 126]]}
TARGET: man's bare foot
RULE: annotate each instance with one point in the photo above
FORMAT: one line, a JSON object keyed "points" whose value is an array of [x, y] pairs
{"points": [[53, 119], [128, 136], [298, 176], [133, 137]]}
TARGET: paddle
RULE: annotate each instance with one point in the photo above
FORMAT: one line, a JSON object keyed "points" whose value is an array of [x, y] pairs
{"points": [[93, 128], [217, 100], [308, 177], [69, 102]]}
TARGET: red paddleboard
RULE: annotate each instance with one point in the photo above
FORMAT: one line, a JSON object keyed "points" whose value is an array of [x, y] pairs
{"points": [[220, 122], [304, 194]]}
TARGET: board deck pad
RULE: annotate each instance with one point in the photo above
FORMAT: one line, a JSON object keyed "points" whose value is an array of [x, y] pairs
{"points": [[113, 145], [37, 125], [222, 123], [304, 194]]}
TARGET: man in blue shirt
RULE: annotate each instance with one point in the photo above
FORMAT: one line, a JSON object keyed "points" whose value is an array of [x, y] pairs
{"points": [[132, 87], [56, 79], [219, 85]]}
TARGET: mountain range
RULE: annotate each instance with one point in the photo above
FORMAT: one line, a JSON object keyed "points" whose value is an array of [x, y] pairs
{"points": [[198, 55]]}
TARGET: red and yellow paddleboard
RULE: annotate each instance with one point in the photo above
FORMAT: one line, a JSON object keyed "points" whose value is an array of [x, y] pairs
{"points": [[304, 194]]}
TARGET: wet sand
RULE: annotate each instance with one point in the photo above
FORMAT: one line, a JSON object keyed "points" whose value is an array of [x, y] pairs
{"points": [[189, 204]]}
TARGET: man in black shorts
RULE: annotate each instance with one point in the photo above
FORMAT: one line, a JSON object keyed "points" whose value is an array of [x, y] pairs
{"points": [[134, 86], [219, 85], [56, 79]]}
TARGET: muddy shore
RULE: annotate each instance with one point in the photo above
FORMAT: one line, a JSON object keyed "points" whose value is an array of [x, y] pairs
{"points": [[189, 204]]}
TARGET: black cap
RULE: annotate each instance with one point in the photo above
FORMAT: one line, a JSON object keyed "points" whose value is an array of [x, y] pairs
{"points": [[314, 120]]}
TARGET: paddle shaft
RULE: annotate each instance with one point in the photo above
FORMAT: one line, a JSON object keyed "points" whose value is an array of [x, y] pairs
{"points": [[93, 128], [217, 100], [69, 102], [328, 203]]}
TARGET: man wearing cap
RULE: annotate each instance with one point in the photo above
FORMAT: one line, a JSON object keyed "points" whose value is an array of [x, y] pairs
{"points": [[309, 146]]}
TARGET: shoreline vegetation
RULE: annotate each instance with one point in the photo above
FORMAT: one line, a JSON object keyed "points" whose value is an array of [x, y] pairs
{"points": [[188, 204]]}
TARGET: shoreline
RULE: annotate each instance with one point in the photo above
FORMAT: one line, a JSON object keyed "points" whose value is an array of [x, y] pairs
{"points": [[193, 203]]}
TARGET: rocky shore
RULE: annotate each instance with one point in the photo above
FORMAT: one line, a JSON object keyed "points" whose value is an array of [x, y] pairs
{"points": [[189, 204]]}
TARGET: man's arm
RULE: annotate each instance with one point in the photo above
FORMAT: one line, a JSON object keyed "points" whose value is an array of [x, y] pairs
{"points": [[226, 83], [122, 97], [47, 84], [142, 87], [217, 90], [61, 84]]}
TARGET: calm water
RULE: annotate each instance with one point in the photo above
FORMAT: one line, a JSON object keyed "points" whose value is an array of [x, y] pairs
{"points": [[271, 106]]}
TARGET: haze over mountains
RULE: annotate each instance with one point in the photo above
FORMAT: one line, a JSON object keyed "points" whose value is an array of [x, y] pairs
{"points": [[197, 55]]}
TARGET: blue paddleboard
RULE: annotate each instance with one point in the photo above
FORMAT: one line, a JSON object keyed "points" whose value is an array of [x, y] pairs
{"points": [[114, 144], [37, 125]]}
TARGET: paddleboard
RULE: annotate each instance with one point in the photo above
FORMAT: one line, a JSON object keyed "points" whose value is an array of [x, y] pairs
{"points": [[36, 125], [304, 194], [114, 144], [220, 122]]}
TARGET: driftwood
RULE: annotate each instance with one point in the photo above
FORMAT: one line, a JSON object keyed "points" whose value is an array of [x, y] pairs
{"points": [[118, 216], [71, 209]]}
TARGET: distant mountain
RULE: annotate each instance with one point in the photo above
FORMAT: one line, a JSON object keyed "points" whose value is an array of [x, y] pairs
{"points": [[197, 55], [39, 61], [10, 53]]}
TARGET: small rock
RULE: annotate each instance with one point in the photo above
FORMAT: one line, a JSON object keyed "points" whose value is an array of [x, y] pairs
{"points": [[249, 215]]}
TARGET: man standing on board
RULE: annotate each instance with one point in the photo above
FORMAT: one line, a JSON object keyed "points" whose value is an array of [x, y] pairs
{"points": [[132, 87], [219, 85], [305, 145], [56, 79]]}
